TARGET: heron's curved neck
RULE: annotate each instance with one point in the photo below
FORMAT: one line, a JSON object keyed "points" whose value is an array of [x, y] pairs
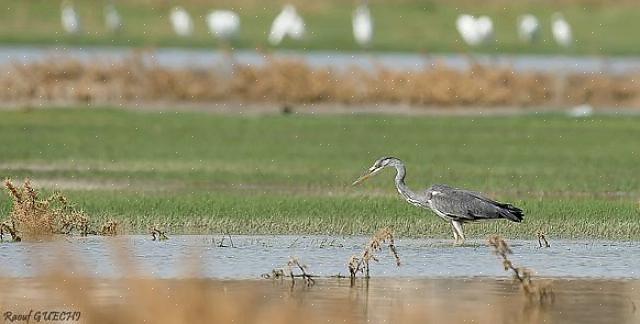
{"points": [[401, 172]]}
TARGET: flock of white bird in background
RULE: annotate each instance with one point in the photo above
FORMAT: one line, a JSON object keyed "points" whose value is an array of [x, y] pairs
{"points": [[225, 25], [479, 31]]}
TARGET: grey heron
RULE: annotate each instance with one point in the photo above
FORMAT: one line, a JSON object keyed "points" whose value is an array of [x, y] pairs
{"points": [[457, 206]]}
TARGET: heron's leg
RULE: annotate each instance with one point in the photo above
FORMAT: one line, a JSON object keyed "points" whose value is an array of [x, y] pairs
{"points": [[457, 227], [455, 233]]}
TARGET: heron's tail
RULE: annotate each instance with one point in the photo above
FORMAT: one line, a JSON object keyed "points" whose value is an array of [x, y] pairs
{"points": [[511, 212]]}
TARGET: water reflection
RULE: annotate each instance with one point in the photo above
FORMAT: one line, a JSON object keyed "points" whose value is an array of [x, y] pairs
{"points": [[376, 301]]}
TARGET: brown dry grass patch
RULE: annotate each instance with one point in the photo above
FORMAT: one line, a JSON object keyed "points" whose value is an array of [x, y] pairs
{"points": [[32, 217], [291, 81]]}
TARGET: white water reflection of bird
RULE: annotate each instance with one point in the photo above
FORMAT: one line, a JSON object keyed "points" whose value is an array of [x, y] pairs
{"points": [[528, 28], [475, 31], [223, 24], [584, 110], [287, 23], [112, 18], [362, 25], [181, 22], [70, 18], [456, 206], [561, 30]]}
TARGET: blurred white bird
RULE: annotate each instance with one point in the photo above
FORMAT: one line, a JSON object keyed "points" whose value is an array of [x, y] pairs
{"points": [[475, 31], [70, 18], [112, 18], [466, 25], [584, 110], [484, 25], [528, 28], [362, 25], [223, 24], [287, 23], [561, 30], [181, 21]]}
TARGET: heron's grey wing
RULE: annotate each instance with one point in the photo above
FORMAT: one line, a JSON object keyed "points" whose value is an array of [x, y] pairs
{"points": [[468, 206]]}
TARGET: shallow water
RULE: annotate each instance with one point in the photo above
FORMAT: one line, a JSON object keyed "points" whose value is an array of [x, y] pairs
{"points": [[479, 300], [203, 58], [251, 256]]}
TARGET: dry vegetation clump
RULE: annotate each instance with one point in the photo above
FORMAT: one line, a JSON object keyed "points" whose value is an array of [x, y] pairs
{"points": [[110, 228], [542, 237], [157, 233], [32, 217], [133, 79], [288, 81], [361, 264], [540, 292], [292, 266]]}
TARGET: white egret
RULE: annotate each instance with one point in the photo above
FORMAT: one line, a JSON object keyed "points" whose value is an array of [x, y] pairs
{"points": [[223, 24], [466, 26], [287, 23], [362, 25], [112, 18], [528, 28], [70, 18], [475, 31], [484, 25], [181, 21], [561, 30]]}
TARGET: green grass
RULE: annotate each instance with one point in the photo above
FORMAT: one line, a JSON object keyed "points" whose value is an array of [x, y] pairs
{"points": [[291, 174], [409, 25]]}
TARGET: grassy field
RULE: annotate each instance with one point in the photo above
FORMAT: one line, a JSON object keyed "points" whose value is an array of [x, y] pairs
{"points": [[204, 173], [407, 25]]}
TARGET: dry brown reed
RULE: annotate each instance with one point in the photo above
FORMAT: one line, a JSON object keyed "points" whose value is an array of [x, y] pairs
{"points": [[361, 264], [291, 81], [35, 218], [542, 293]]}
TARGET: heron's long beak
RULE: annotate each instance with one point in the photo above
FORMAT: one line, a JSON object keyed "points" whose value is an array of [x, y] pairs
{"points": [[370, 174]]}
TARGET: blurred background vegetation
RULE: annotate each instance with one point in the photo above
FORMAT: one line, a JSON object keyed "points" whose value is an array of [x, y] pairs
{"points": [[600, 27]]}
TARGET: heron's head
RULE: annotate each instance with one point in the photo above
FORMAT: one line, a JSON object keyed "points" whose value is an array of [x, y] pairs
{"points": [[377, 166]]}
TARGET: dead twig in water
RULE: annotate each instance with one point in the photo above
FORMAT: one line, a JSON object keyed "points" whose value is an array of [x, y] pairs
{"points": [[295, 263], [544, 293], [289, 271], [157, 233], [361, 264], [221, 244], [542, 238], [8, 227]]}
